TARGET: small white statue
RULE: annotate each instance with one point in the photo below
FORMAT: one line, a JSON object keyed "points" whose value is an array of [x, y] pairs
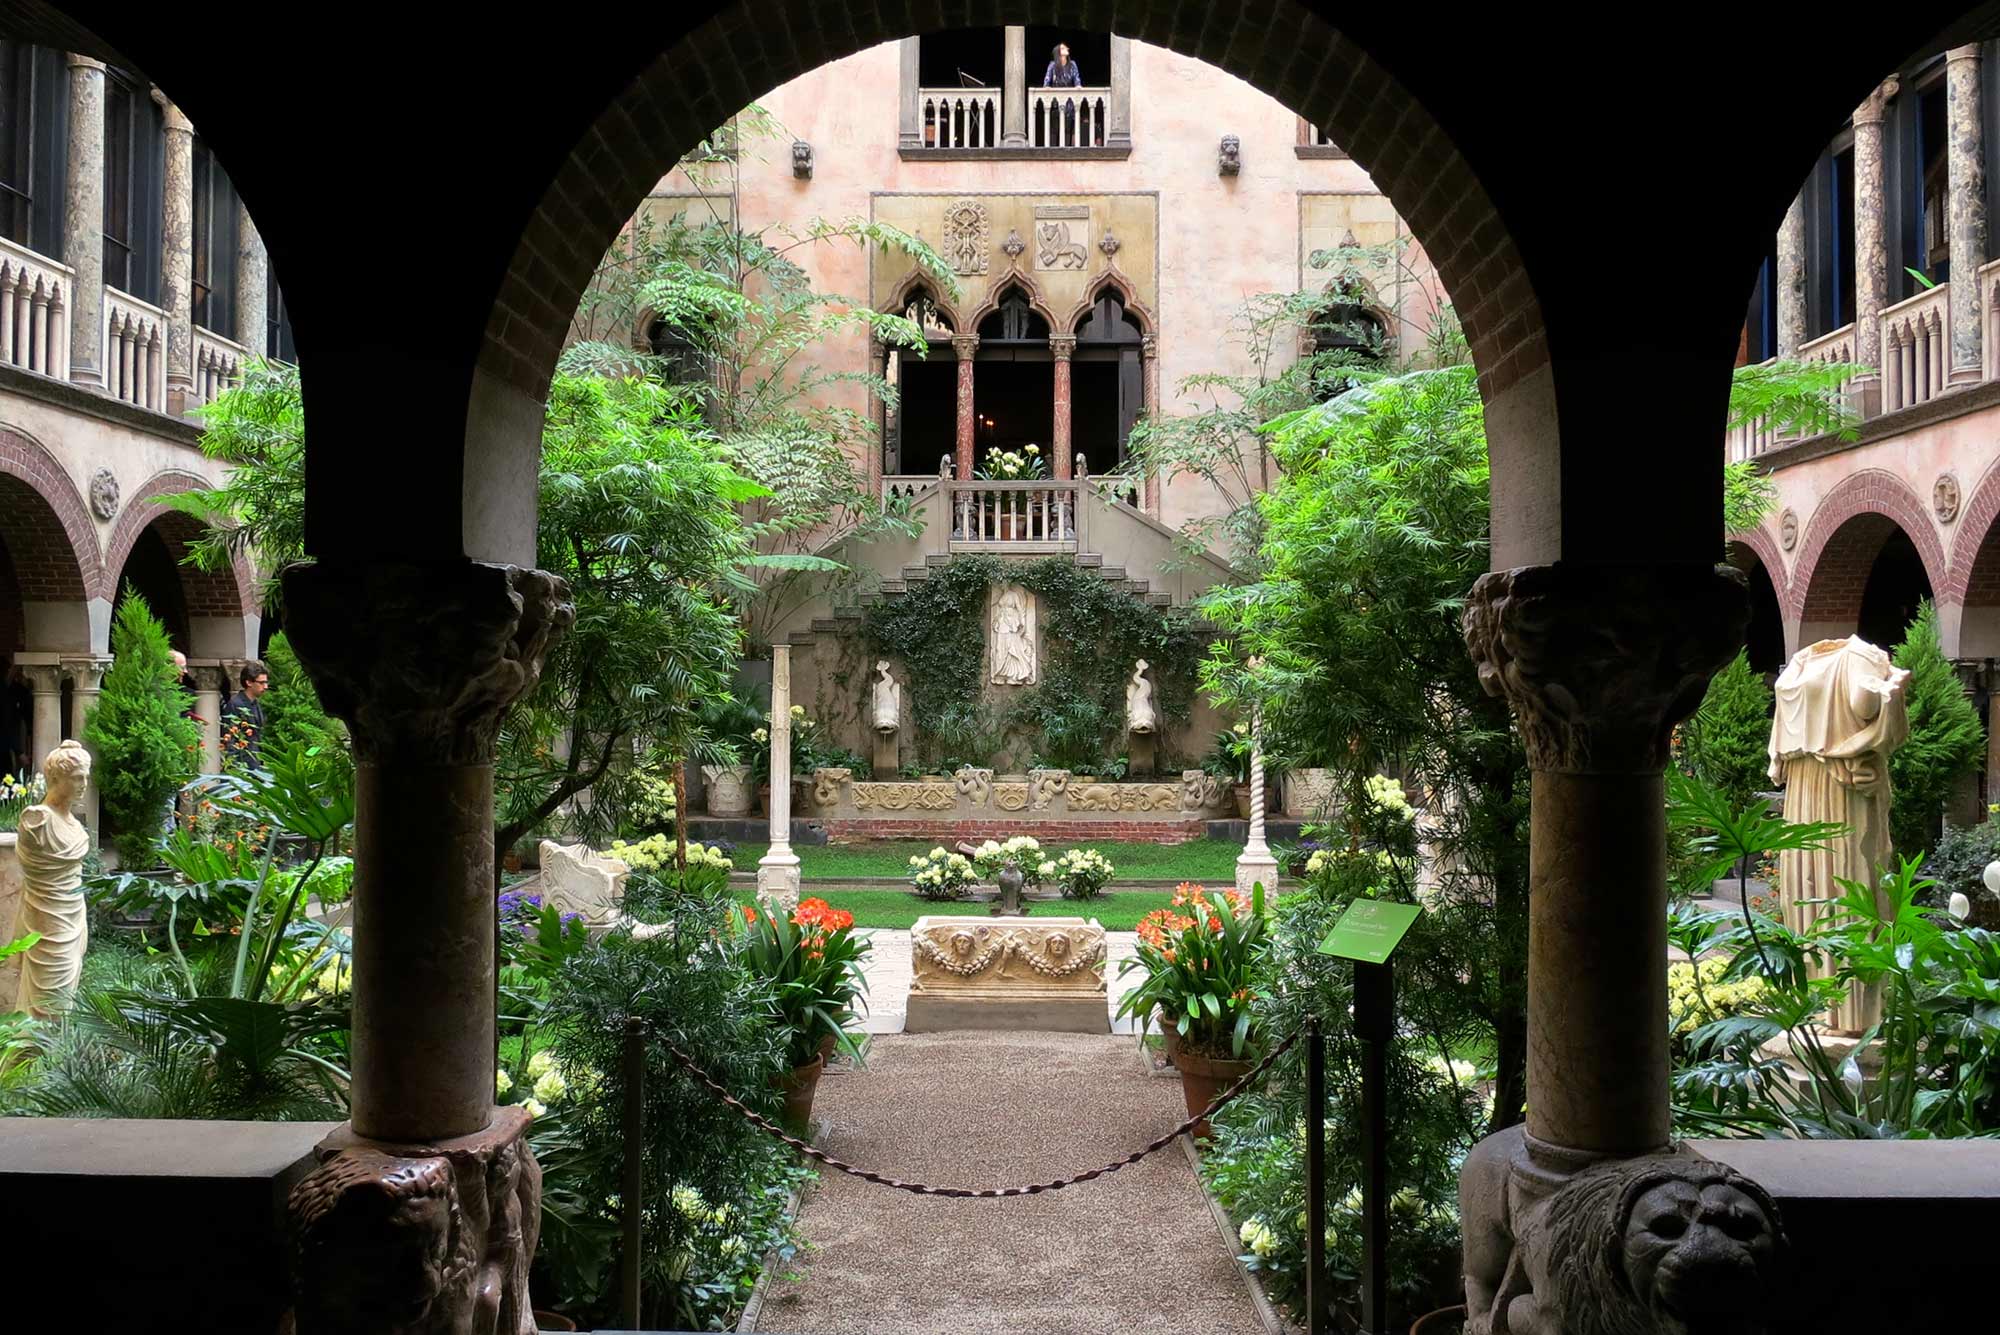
{"points": [[1013, 647], [888, 699], [51, 847], [1140, 716]]}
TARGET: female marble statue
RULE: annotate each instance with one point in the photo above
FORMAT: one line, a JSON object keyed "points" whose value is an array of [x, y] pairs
{"points": [[1841, 714], [888, 699], [1013, 649], [52, 844], [1140, 716]]}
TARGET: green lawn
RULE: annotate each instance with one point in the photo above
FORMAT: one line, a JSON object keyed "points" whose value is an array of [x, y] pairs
{"points": [[1210, 861], [1118, 911]]}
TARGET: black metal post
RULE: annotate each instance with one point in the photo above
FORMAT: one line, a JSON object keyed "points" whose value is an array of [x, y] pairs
{"points": [[630, 1216], [1374, 1024], [1316, 1290]]}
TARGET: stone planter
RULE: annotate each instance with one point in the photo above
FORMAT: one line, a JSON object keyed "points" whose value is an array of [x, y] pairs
{"points": [[1202, 1078], [1309, 794], [1242, 795], [728, 789], [798, 1088], [10, 912]]}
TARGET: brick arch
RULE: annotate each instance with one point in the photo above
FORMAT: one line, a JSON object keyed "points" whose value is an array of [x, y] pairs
{"points": [[1826, 578], [49, 533], [1113, 279], [751, 45], [210, 593], [1760, 544], [1974, 576]]}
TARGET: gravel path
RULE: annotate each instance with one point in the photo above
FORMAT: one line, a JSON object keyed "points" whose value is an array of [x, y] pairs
{"points": [[1135, 1252]]}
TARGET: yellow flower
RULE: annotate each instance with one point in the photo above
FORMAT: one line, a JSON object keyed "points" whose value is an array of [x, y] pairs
{"points": [[502, 1082], [798, 711]]}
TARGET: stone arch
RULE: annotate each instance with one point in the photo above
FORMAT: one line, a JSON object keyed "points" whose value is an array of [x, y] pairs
{"points": [[49, 532], [1771, 636], [1973, 583], [1112, 279], [918, 281], [1014, 278], [1850, 529], [209, 593]]}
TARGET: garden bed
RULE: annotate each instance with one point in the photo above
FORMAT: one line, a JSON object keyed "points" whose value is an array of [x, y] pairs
{"points": [[1210, 861]]}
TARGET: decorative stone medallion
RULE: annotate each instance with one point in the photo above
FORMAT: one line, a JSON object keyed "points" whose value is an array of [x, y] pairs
{"points": [[1109, 243], [965, 237], [104, 494], [1055, 247], [1945, 498], [1788, 529], [1013, 245]]}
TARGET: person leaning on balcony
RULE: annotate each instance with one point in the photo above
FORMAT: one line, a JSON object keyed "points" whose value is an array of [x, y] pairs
{"points": [[1064, 73]]}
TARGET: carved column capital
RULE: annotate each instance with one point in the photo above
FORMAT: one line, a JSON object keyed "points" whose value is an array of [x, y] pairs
{"points": [[963, 346], [77, 62], [175, 120], [1600, 662], [1875, 106], [1149, 346], [422, 661], [1062, 346]]}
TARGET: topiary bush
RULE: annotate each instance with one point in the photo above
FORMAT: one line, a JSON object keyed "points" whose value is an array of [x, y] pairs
{"points": [[143, 747], [1727, 744], [293, 715], [1946, 739]]}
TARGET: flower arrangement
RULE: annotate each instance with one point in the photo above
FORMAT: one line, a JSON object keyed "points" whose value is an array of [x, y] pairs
{"points": [[542, 1084], [1019, 465], [1699, 994], [18, 792], [813, 961], [1200, 958], [1021, 850], [941, 874], [1081, 873], [652, 802], [656, 853], [1229, 758]]}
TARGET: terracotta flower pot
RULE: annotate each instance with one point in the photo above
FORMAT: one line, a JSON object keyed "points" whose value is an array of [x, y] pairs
{"points": [[1202, 1078], [1444, 1321], [798, 1088], [1242, 795], [552, 1321]]}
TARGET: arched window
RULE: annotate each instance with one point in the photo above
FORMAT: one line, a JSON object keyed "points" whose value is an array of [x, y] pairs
{"points": [[1345, 326], [1107, 382], [681, 362], [1015, 321]]}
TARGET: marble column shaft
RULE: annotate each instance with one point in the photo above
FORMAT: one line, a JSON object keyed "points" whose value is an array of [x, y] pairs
{"points": [[45, 732], [1014, 90], [1791, 279], [1062, 347], [966, 347], [1599, 663], [423, 661], [1965, 165], [210, 687], [1149, 355], [83, 219], [778, 869], [1871, 252], [86, 685], [253, 277], [177, 255]]}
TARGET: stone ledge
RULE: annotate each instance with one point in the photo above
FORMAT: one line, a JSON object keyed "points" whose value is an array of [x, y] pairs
{"points": [[81, 399], [1106, 153], [1946, 406]]}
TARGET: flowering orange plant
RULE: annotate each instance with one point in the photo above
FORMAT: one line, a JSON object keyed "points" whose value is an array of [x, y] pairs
{"points": [[812, 959], [1201, 957]]}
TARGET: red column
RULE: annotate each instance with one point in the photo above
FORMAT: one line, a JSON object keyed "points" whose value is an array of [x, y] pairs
{"points": [[965, 345], [1061, 345]]}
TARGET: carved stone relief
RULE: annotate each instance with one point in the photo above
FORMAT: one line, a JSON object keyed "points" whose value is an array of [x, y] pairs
{"points": [[1124, 797], [1046, 785], [904, 796], [1788, 529], [104, 494], [1011, 646], [1201, 790], [965, 237], [1229, 157], [1109, 243], [1054, 248], [969, 957], [1013, 245], [1944, 497], [827, 784], [974, 783], [802, 159], [1010, 796]]}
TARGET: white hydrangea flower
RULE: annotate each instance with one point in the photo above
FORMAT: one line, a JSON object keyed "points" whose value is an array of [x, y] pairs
{"points": [[535, 1107], [502, 1082], [688, 1202], [541, 1064], [551, 1087]]}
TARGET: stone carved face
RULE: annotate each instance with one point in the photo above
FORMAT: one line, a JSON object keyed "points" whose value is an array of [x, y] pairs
{"points": [[1698, 1251], [963, 944], [1788, 530], [104, 493], [1057, 944]]}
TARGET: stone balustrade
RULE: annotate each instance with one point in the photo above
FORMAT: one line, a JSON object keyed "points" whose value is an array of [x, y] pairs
{"points": [[906, 486], [1018, 516], [1916, 348], [960, 117], [218, 365], [1068, 117], [135, 349], [36, 298]]}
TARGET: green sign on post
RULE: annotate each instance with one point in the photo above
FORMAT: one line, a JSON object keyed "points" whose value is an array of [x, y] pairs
{"points": [[1370, 930]]}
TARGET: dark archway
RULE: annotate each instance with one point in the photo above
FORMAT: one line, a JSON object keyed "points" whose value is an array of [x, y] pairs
{"points": [[1765, 639]]}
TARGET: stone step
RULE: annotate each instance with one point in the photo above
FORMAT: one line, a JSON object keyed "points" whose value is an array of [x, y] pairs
{"points": [[892, 586], [1089, 560], [916, 574], [1159, 600], [1112, 574]]}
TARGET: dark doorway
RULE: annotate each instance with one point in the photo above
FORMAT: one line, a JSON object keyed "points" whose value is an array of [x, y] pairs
{"points": [[1097, 422], [1014, 401], [151, 572], [1896, 584], [927, 421], [1766, 638]]}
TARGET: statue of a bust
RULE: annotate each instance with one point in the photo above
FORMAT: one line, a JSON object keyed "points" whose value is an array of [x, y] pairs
{"points": [[52, 844], [888, 699], [1140, 716]]}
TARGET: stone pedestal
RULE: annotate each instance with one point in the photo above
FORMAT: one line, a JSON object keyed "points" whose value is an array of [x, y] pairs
{"points": [[1143, 752], [1007, 973], [778, 869]]}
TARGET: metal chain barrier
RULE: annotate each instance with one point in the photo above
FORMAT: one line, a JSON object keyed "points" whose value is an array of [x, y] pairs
{"points": [[770, 1128]]}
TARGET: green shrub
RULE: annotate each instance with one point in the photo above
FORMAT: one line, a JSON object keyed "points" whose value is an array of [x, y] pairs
{"points": [[1946, 739], [1727, 743], [1958, 863], [292, 711], [142, 747]]}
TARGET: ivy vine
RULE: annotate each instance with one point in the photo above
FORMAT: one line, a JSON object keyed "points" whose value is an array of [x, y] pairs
{"points": [[1092, 632]]}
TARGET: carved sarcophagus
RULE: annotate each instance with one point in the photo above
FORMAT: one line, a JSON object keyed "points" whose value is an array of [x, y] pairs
{"points": [[1007, 973]]}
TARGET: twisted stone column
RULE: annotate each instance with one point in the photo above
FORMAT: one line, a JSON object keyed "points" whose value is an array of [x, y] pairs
{"points": [[177, 255], [965, 347], [778, 869], [83, 219], [1062, 347], [1871, 252], [1255, 865], [1149, 358], [1791, 279], [1965, 166]]}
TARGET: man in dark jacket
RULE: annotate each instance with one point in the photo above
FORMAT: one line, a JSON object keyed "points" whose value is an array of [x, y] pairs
{"points": [[243, 717]]}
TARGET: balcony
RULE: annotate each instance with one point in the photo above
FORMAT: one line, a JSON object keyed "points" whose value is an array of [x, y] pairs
{"points": [[36, 297], [1068, 117], [960, 117], [987, 115]]}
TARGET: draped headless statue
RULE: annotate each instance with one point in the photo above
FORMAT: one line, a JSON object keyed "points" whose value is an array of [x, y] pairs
{"points": [[52, 844], [1841, 714]]}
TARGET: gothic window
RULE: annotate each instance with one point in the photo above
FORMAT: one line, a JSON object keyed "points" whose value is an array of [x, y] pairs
{"points": [[1347, 328], [1014, 322], [33, 108], [133, 148], [277, 322], [215, 235], [681, 362]]}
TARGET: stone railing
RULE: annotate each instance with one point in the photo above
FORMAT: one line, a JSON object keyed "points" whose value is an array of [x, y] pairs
{"points": [[1068, 117], [1040, 514], [1747, 440], [959, 117], [135, 350], [1916, 348], [35, 302], [218, 365], [906, 486]]}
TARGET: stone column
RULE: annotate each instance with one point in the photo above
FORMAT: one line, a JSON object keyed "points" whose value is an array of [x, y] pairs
{"points": [[778, 869], [878, 367], [1255, 865], [45, 732], [1118, 134], [1965, 165], [83, 219], [1149, 353], [1014, 91], [253, 277], [1871, 252], [965, 347], [1062, 347], [86, 677], [909, 111], [211, 686], [177, 255], [1791, 279]]}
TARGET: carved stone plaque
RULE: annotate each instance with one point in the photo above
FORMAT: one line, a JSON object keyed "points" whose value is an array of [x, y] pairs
{"points": [[965, 237], [1060, 233]]}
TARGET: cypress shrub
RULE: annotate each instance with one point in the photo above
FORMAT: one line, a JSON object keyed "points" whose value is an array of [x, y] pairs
{"points": [[1946, 739], [143, 746]]}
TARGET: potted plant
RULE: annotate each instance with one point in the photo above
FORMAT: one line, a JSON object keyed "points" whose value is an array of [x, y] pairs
{"points": [[942, 874], [813, 962], [735, 730], [1199, 958], [1229, 761], [1022, 465], [1081, 873]]}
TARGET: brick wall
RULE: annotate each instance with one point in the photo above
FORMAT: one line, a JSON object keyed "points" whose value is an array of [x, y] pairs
{"points": [[1846, 534], [1048, 831], [48, 533], [220, 593], [1975, 552]]}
